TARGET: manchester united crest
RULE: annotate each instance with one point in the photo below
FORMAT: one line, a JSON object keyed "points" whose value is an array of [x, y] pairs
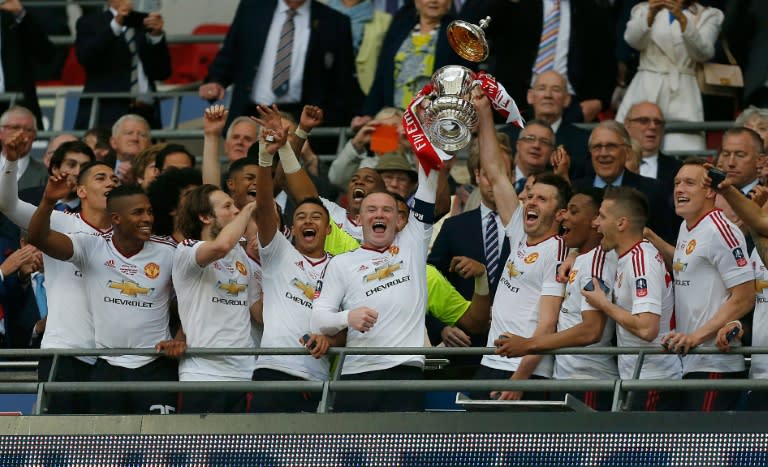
{"points": [[690, 247], [241, 268], [530, 259], [152, 270]]}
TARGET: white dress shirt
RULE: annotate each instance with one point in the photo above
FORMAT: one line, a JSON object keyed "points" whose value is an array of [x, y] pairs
{"points": [[649, 166], [262, 85]]}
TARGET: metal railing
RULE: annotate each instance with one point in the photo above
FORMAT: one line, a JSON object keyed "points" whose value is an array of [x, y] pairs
{"points": [[621, 389]]}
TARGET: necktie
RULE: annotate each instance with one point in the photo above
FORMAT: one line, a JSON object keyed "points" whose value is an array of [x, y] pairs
{"points": [[282, 72], [491, 246], [545, 59], [130, 38], [40, 297], [520, 184]]}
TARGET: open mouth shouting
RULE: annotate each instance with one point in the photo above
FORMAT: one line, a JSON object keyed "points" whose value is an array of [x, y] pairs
{"points": [[379, 227], [358, 194], [309, 234]]}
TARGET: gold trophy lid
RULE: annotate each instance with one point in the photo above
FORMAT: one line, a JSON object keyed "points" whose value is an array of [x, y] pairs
{"points": [[468, 40]]}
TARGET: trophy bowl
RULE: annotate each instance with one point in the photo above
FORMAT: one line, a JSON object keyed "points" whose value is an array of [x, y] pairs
{"points": [[468, 40], [450, 121], [450, 118]]}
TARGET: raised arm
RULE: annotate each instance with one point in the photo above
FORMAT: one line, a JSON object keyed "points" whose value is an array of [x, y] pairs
{"points": [[229, 236], [52, 243], [491, 162], [299, 185], [16, 210], [266, 218], [214, 119]]}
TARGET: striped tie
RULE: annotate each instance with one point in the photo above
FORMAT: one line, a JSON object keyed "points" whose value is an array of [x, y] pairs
{"points": [[281, 76], [130, 38], [545, 60], [491, 246]]}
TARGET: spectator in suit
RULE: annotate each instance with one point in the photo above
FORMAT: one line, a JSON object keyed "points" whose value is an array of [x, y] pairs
{"points": [[18, 308], [583, 49], [32, 173], [549, 97], [738, 157], [535, 145], [645, 124], [416, 45], [369, 26], [130, 136], [122, 51], [321, 68], [609, 145], [24, 43]]}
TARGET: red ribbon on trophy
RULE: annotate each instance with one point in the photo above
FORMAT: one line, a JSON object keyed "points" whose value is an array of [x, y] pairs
{"points": [[431, 157], [500, 99]]}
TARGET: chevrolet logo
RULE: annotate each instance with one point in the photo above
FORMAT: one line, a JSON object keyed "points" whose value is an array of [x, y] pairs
{"points": [[512, 270], [382, 272], [129, 288], [305, 288], [232, 287], [679, 266], [761, 284]]}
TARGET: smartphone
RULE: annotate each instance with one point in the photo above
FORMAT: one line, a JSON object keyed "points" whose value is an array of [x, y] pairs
{"points": [[384, 139], [717, 176], [147, 6], [732, 334], [591, 286]]}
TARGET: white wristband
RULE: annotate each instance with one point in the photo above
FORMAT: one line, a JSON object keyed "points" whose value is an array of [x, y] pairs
{"points": [[289, 160], [301, 133], [481, 284], [265, 158]]}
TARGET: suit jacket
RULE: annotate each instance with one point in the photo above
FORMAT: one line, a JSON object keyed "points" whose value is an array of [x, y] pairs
{"points": [[23, 45], [18, 303], [576, 142], [746, 28], [662, 219], [36, 175], [382, 92], [515, 33], [329, 69], [107, 62], [462, 235], [668, 167]]}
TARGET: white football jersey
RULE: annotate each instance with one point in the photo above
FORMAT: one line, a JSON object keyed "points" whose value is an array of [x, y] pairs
{"points": [[643, 285], [594, 263], [213, 307], [529, 273], [759, 367], [70, 321], [393, 282], [288, 284], [129, 296], [709, 259], [341, 218], [254, 295]]}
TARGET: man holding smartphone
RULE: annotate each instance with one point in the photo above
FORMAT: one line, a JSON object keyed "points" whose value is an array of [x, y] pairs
{"points": [[122, 50], [643, 302]]}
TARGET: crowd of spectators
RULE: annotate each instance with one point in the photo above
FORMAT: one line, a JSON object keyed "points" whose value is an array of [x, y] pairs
{"points": [[117, 240]]}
